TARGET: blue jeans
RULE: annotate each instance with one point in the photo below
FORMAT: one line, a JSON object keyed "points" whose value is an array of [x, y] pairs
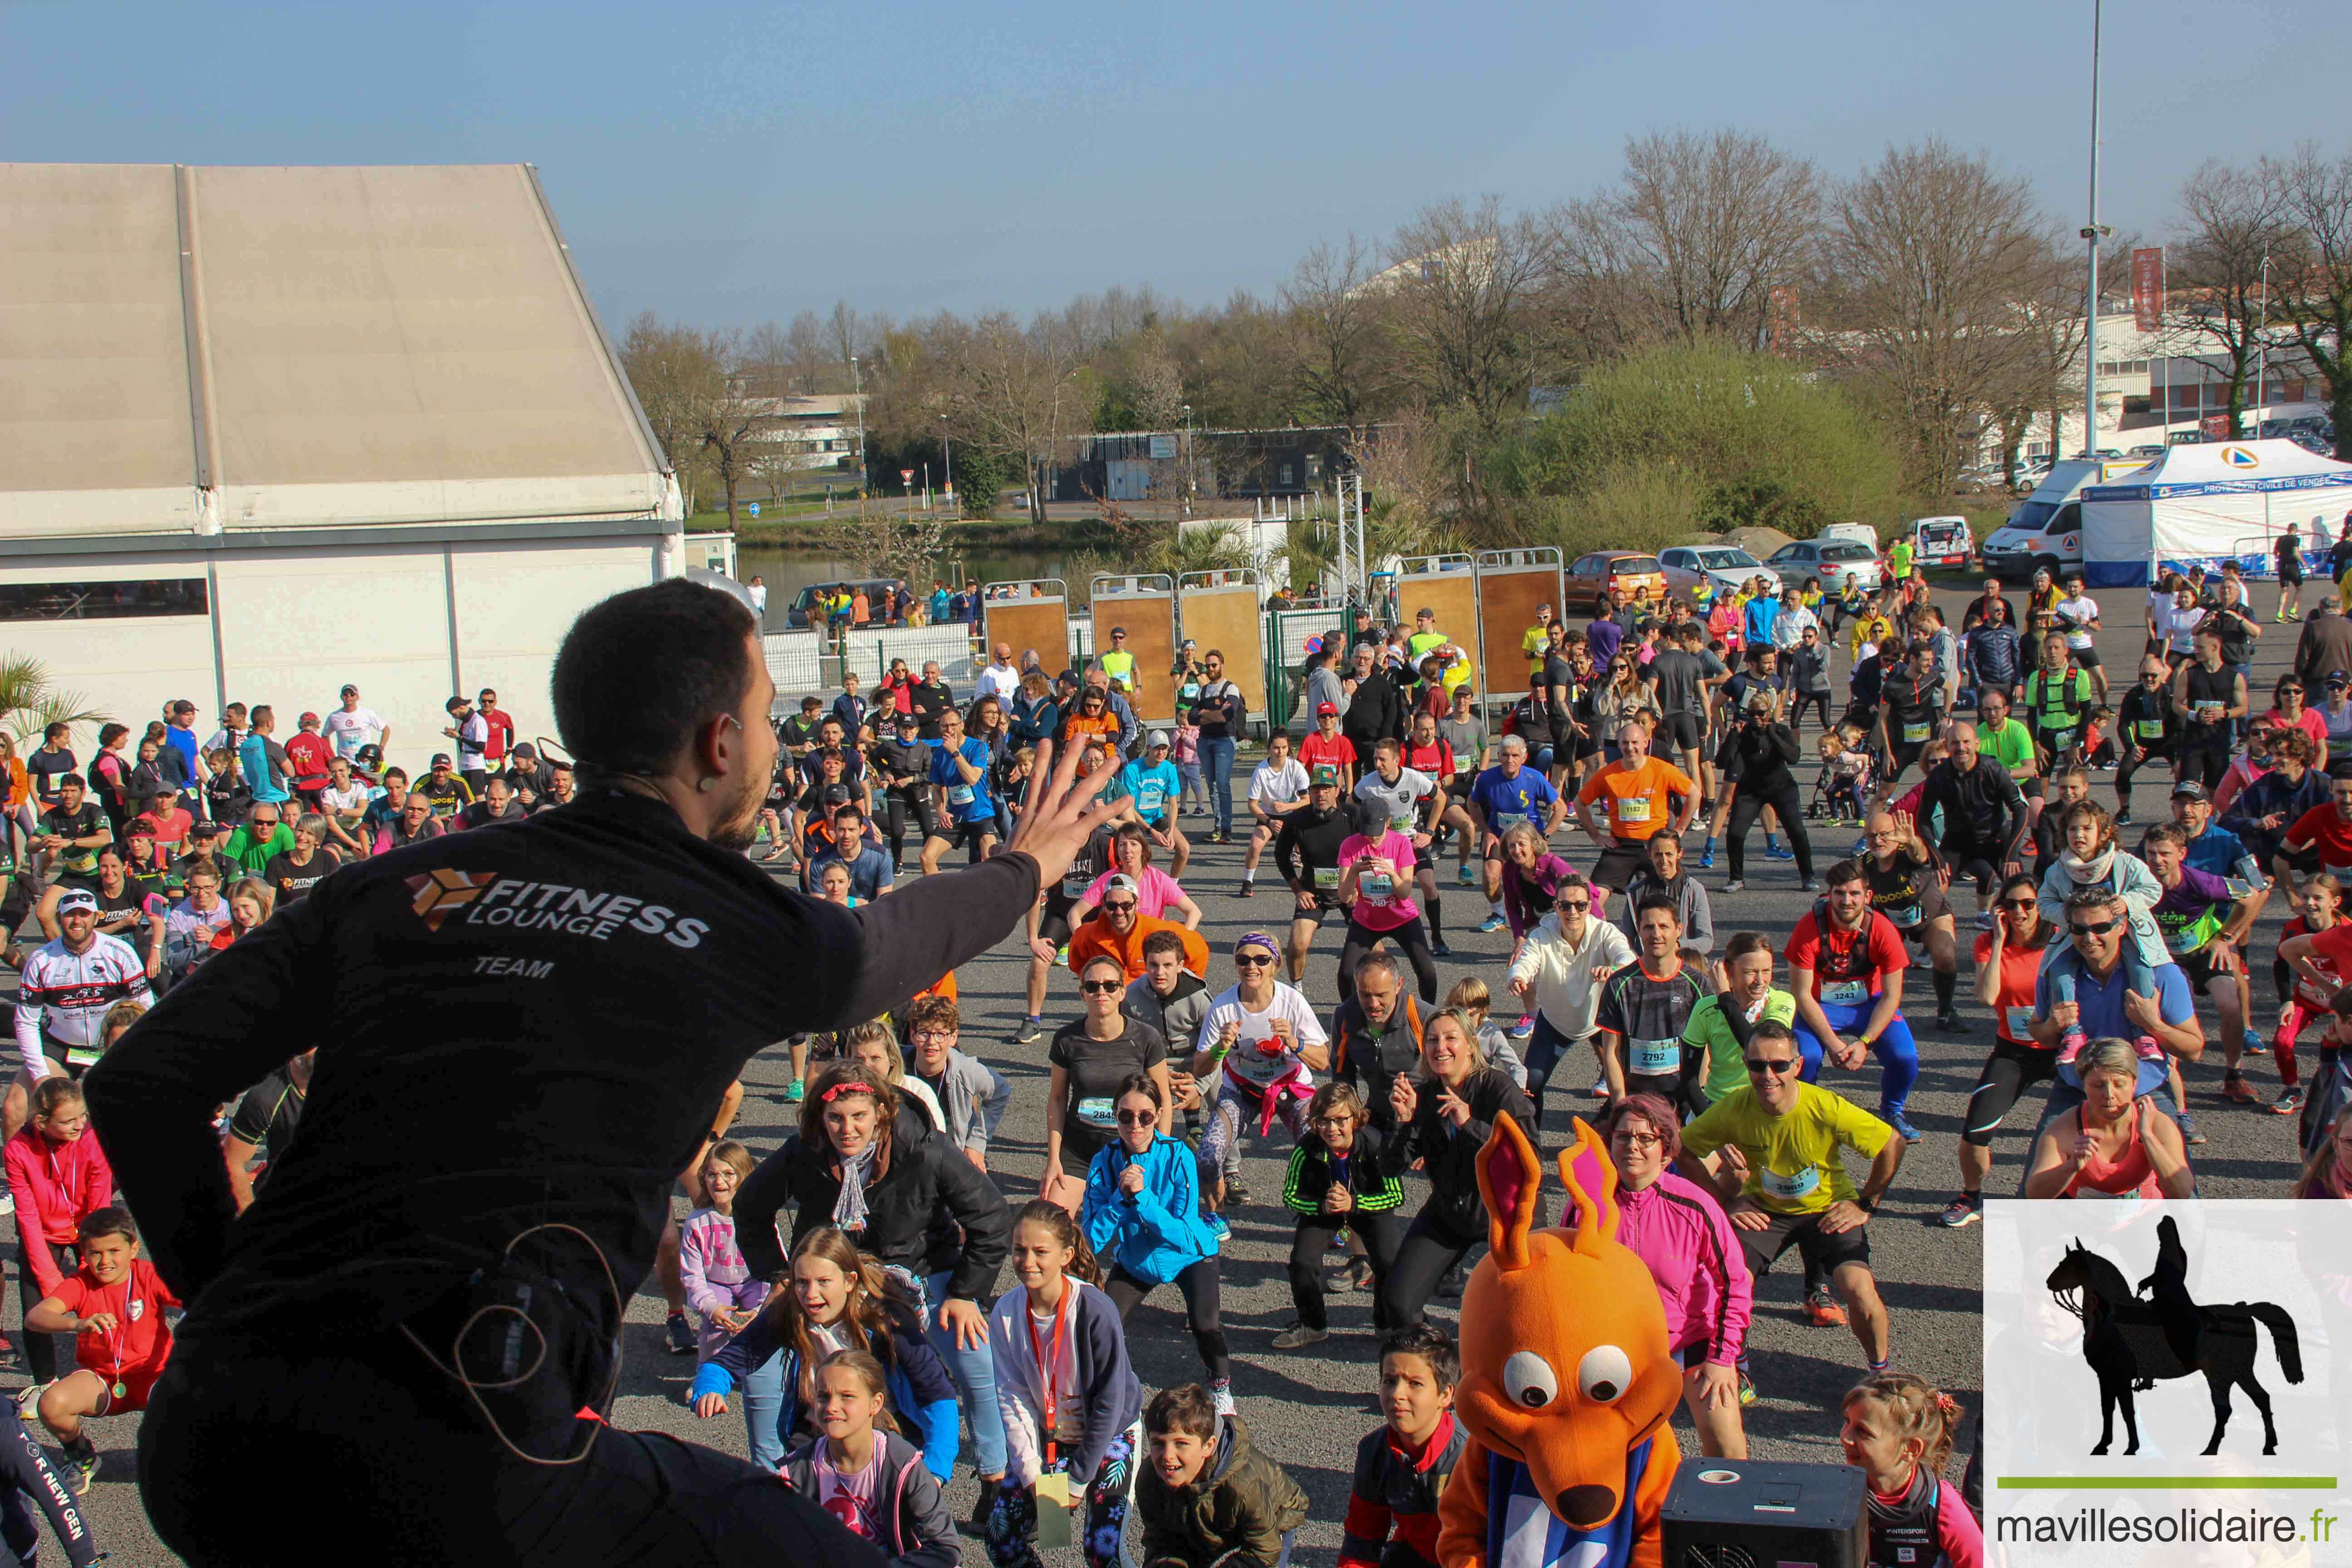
{"points": [[975, 1374], [763, 1409], [1545, 1045], [1217, 768], [1897, 1053]]}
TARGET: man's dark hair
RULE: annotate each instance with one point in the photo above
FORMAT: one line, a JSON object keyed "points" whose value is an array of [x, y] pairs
{"points": [[1845, 871], [638, 674], [1657, 901], [1434, 1346]]}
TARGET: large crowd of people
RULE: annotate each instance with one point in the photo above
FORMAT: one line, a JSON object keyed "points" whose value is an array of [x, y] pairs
{"points": [[861, 1337]]}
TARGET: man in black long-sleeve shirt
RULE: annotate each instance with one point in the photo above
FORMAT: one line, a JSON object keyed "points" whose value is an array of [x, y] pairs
{"points": [[1984, 814], [1375, 709], [522, 1037], [1307, 853]]}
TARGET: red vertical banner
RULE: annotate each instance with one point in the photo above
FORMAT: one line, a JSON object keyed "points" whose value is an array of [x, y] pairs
{"points": [[2148, 289]]}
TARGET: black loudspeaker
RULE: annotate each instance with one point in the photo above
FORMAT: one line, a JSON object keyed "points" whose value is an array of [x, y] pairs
{"points": [[1755, 1513]]}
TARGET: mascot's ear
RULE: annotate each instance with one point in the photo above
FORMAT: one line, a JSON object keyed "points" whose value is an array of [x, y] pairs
{"points": [[1591, 1178], [1510, 1179]]}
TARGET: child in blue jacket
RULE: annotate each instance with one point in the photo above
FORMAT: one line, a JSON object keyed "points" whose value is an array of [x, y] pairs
{"points": [[838, 1299], [1143, 1216]]}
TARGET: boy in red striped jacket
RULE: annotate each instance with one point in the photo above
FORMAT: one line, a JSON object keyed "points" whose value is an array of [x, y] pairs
{"points": [[1401, 1468]]}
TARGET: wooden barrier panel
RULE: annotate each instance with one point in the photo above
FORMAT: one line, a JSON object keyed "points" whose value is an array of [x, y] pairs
{"points": [[1511, 585], [1448, 584], [1222, 610], [1145, 608], [1033, 613]]}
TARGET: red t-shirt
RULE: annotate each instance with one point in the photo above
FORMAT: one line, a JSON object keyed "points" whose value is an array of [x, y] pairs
{"points": [[309, 753], [2333, 954], [142, 1341], [1436, 760], [500, 724], [2328, 832], [1846, 965], [1319, 749], [2012, 1001]]}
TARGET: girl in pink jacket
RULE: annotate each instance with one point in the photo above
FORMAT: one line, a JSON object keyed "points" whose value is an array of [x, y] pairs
{"points": [[58, 1175], [1680, 1231], [718, 1283]]}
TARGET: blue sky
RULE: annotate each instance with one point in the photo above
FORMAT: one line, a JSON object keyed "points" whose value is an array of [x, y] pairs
{"points": [[728, 164]]}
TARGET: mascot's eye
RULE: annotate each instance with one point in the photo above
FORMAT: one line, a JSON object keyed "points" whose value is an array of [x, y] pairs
{"points": [[1529, 1379], [1604, 1374]]}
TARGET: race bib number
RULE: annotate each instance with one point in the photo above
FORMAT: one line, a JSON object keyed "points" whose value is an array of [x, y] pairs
{"points": [[82, 1056], [2062, 739], [1846, 992], [1327, 876], [1462, 762], [1903, 918], [2021, 1019], [1631, 808], [2151, 728], [1402, 822], [1095, 1111], [1912, 734], [1798, 1185], [1192, 690], [1377, 887], [959, 795], [1075, 885], [1148, 798], [2339, 746], [1654, 1059], [1506, 820]]}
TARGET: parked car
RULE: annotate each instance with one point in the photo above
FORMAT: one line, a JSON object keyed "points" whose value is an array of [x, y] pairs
{"points": [[878, 591], [1590, 578], [1725, 566], [1830, 560], [2154, 450]]}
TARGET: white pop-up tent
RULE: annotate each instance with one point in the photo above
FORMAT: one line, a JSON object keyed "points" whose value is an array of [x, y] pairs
{"points": [[2208, 503]]}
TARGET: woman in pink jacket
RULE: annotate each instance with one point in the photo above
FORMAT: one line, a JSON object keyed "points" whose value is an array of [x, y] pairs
{"points": [[58, 1175], [1703, 1279]]}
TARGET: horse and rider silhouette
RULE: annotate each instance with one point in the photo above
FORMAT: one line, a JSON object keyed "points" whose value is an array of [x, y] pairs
{"points": [[2133, 1344]]}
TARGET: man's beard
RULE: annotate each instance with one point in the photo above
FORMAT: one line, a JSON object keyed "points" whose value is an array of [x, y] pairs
{"points": [[742, 830]]}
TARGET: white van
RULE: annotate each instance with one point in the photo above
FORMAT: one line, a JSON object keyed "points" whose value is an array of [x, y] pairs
{"points": [[1941, 542], [2046, 529]]}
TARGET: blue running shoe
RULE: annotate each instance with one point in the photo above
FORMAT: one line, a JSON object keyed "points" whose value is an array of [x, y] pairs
{"points": [[2254, 1047], [1493, 924], [1219, 1229], [1902, 1124]]}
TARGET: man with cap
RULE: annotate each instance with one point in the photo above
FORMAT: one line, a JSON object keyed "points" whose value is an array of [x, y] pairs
{"points": [[2325, 646], [1152, 784], [1307, 853], [1328, 748], [1119, 928], [1365, 634], [444, 791], [1116, 663], [351, 726], [532, 774], [472, 734], [203, 845], [64, 991]]}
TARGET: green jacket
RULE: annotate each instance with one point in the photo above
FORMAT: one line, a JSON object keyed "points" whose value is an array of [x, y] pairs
{"points": [[1242, 1503]]}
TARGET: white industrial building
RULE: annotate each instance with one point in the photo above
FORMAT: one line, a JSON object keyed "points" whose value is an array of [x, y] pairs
{"points": [[264, 431]]}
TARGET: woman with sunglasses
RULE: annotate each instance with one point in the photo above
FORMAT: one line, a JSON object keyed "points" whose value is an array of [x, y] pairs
{"points": [[1269, 1043], [2115, 1144], [2290, 709], [1142, 1217], [1621, 698], [1444, 1118], [1677, 1228], [1087, 1063], [2009, 961]]}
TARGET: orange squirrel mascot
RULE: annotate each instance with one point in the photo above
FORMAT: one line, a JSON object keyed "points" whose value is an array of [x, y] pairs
{"points": [[1568, 1380]]}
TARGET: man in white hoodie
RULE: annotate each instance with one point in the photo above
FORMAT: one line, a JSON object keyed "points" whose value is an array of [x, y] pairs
{"points": [[1558, 974]]}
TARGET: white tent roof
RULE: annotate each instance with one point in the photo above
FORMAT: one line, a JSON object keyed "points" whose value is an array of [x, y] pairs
{"points": [[199, 348], [2225, 467]]}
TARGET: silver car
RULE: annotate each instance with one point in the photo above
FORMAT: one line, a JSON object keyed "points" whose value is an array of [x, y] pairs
{"points": [[1831, 561], [1727, 566]]}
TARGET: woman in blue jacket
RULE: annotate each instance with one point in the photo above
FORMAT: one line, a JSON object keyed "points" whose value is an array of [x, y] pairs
{"points": [[838, 1299], [1143, 1216]]}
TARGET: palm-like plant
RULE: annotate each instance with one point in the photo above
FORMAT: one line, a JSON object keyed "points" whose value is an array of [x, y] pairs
{"points": [[30, 703]]}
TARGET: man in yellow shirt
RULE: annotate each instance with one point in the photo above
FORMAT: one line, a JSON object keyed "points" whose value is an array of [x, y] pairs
{"points": [[1536, 643], [1787, 1186], [1870, 627], [1119, 665]]}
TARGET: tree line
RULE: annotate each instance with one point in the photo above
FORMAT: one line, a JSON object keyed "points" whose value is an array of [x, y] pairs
{"points": [[1725, 332]]}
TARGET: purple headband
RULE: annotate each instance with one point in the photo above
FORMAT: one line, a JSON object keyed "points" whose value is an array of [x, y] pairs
{"points": [[1257, 939]]}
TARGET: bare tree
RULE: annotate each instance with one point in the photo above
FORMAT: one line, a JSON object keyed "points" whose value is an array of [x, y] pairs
{"points": [[844, 334], [674, 371], [1010, 390], [1930, 257], [1695, 240], [804, 352], [2316, 291], [2234, 222], [1331, 333], [767, 355], [738, 417]]}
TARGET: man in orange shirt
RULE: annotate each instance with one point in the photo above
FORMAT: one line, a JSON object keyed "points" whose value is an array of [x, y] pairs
{"points": [[1118, 932], [1636, 786]]}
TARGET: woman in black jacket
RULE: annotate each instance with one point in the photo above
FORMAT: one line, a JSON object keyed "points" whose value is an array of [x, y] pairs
{"points": [[876, 1172], [1444, 1118], [1753, 763]]}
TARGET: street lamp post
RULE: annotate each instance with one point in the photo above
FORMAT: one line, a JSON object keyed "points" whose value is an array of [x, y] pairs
{"points": [[947, 457], [2092, 232], [1188, 475], [857, 394], [2262, 346]]}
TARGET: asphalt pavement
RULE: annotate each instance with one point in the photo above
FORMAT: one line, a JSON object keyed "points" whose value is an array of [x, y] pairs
{"points": [[1309, 1408]]}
